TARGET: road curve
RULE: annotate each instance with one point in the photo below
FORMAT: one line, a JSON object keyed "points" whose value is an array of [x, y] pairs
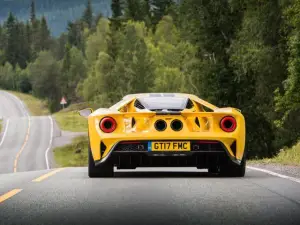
{"points": [[184, 196], [25, 139]]}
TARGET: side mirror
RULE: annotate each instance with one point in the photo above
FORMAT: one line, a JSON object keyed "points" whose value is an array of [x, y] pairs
{"points": [[85, 112]]}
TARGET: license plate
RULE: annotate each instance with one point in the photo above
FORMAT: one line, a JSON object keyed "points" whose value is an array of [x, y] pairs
{"points": [[169, 146]]}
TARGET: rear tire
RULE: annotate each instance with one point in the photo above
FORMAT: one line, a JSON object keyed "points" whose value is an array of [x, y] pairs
{"points": [[105, 169], [234, 170]]}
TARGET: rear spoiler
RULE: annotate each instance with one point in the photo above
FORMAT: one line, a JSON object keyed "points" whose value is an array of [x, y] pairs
{"points": [[86, 112]]}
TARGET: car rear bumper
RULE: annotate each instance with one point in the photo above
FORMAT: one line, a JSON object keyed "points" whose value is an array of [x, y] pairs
{"points": [[202, 154]]}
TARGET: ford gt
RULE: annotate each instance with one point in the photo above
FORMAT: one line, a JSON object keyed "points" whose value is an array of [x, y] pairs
{"points": [[165, 130]]}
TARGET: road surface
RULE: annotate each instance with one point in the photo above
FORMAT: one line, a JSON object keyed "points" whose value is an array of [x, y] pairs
{"points": [[25, 139], [184, 196]]}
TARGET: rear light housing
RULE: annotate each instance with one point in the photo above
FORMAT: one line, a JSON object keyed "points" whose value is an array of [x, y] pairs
{"points": [[228, 124], [108, 125]]}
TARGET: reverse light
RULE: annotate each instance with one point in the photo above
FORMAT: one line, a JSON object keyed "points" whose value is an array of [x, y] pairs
{"points": [[108, 125], [228, 124]]}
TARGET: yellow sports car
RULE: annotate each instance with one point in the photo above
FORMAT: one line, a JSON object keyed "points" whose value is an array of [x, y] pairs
{"points": [[165, 130]]}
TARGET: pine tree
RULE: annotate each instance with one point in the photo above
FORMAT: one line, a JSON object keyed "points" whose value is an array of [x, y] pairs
{"points": [[75, 34], [134, 10], [11, 42], [67, 58], [160, 8], [88, 14], [116, 8], [44, 35], [32, 12]]}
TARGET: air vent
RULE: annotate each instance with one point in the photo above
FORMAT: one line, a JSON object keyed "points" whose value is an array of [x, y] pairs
{"points": [[233, 148], [197, 122], [189, 104], [102, 148], [138, 104]]}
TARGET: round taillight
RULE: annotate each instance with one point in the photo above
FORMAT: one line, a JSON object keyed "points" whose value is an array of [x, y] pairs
{"points": [[228, 124], [108, 124]]}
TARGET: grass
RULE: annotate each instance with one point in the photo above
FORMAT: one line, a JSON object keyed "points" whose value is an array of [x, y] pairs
{"points": [[289, 156], [74, 154], [70, 120], [35, 106], [0, 125]]}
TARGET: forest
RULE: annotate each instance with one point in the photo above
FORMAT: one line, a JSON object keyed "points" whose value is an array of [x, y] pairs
{"points": [[239, 53], [57, 12]]}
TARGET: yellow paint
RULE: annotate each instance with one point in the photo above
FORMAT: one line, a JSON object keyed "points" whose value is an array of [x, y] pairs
{"points": [[47, 175], [144, 129], [9, 194], [23, 146]]}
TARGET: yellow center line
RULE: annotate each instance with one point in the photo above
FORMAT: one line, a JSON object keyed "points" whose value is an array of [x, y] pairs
{"points": [[45, 176], [9, 194], [23, 146]]}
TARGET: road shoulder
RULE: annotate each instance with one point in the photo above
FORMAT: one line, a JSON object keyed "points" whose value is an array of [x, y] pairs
{"points": [[292, 171]]}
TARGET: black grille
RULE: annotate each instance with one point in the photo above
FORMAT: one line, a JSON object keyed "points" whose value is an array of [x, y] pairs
{"points": [[138, 104], [206, 146], [134, 147]]}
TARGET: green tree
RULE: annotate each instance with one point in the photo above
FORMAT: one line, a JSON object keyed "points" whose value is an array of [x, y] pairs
{"points": [[116, 8], [11, 42], [134, 10], [44, 35], [73, 72], [75, 34], [159, 9], [45, 74], [99, 41], [287, 99], [139, 72], [7, 77], [32, 12], [88, 14]]}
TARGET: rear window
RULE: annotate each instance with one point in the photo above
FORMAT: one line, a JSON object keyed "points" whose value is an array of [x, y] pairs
{"points": [[159, 103]]}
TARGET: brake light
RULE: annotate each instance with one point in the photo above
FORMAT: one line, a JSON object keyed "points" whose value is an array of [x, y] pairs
{"points": [[228, 124], [108, 124]]}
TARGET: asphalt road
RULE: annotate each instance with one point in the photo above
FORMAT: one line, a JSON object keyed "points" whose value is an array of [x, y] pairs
{"points": [[25, 139], [184, 196]]}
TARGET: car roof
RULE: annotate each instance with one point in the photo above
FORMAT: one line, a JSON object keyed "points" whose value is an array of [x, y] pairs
{"points": [[139, 95], [190, 96]]}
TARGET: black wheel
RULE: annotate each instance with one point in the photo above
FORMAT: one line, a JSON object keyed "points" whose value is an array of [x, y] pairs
{"points": [[234, 170], [105, 169]]}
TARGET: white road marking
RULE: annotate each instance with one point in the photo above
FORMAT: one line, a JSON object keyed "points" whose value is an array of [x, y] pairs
{"points": [[5, 131], [21, 103], [275, 174], [50, 143]]}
